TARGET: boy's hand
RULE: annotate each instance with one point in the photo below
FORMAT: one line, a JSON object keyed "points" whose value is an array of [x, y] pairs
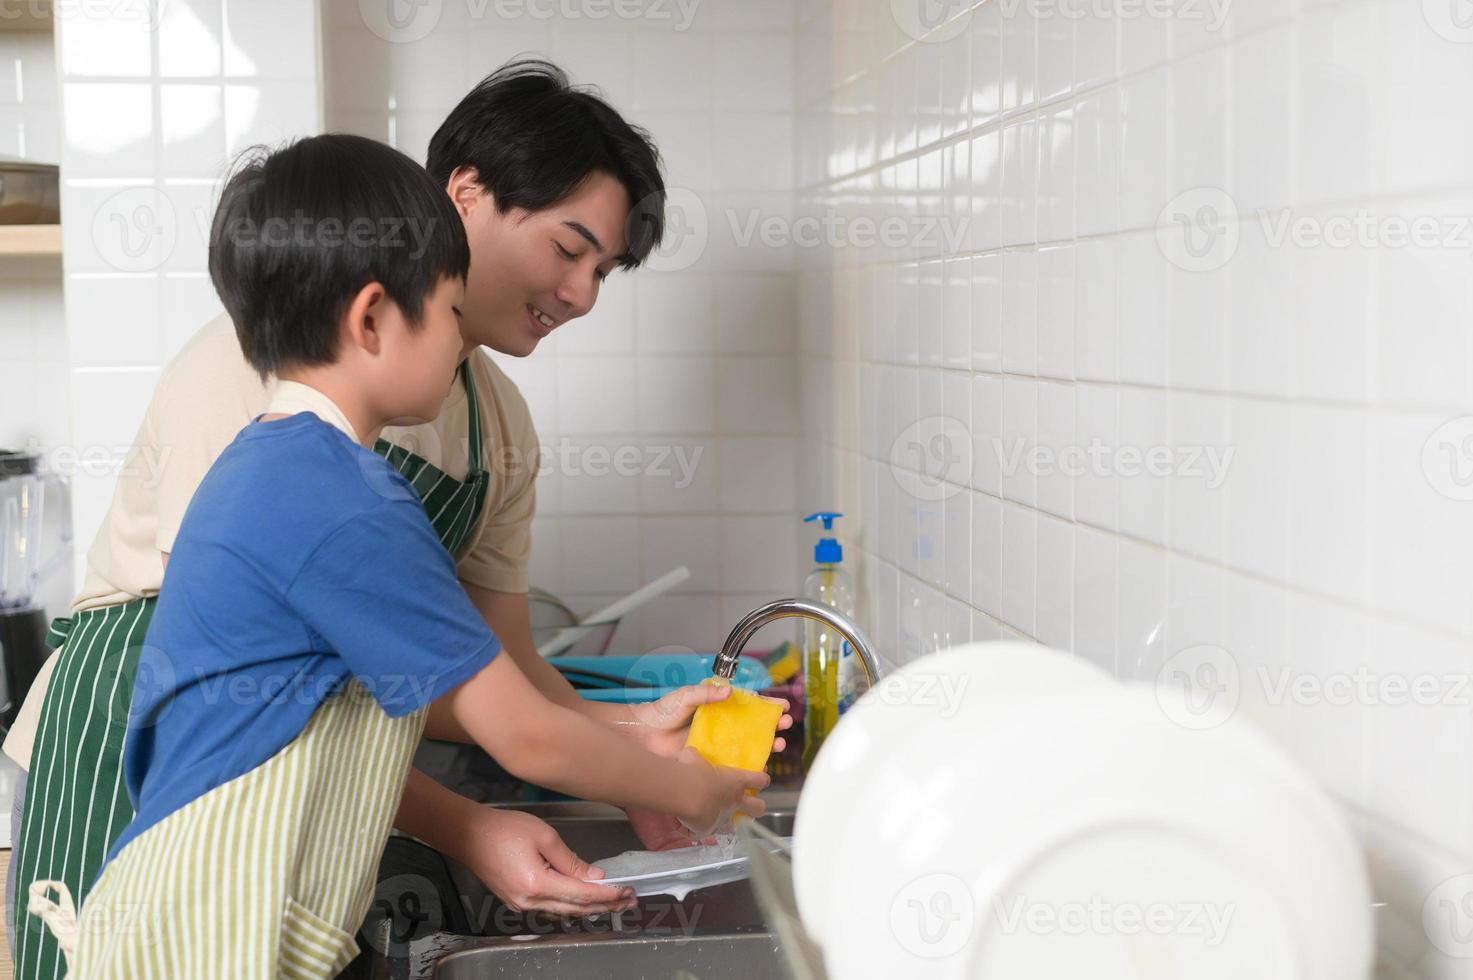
{"points": [[722, 792], [663, 725], [526, 864]]}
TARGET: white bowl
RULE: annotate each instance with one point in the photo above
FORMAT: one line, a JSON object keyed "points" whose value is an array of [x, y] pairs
{"points": [[946, 696], [994, 846]]}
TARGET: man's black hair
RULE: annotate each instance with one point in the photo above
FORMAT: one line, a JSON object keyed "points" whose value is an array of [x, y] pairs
{"points": [[532, 138], [301, 229]]}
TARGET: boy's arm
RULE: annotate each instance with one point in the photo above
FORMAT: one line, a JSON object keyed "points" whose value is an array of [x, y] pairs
{"points": [[509, 616], [550, 745], [521, 859], [659, 725]]}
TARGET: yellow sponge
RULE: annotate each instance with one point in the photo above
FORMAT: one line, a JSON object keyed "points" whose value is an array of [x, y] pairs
{"points": [[736, 731]]}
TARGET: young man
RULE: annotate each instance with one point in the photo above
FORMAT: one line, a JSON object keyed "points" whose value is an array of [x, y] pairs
{"points": [[555, 191], [310, 613]]}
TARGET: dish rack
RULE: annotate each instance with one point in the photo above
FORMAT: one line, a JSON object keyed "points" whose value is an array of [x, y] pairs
{"points": [[770, 867], [550, 616]]}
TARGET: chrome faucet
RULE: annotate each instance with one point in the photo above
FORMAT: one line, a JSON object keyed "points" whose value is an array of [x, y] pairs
{"points": [[726, 660]]}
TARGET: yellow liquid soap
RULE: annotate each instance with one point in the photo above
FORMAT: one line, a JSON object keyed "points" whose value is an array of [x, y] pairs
{"points": [[736, 731]]}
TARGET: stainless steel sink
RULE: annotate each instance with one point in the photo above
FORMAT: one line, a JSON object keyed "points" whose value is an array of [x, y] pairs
{"points": [[711, 933], [750, 956]]}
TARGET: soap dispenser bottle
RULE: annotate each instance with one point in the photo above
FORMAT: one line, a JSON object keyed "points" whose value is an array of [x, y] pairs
{"points": [[828, 660]]}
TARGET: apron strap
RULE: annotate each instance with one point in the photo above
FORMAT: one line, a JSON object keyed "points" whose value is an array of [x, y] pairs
{"points": [[476, 462], [60, 917]]}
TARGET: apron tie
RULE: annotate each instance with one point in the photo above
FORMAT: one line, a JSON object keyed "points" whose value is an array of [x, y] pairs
{"points": [[60, 917], [61, 628]]}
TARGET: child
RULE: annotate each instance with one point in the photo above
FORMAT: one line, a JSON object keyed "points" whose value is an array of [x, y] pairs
{"points": [[309, 614]]}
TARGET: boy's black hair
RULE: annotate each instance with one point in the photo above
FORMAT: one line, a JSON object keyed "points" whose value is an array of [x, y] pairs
{"points": [[301, 229], [532, 137]]}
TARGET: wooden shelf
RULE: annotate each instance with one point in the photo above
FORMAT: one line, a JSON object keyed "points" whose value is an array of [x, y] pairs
{"points": [[30, 240], [32, 16]]}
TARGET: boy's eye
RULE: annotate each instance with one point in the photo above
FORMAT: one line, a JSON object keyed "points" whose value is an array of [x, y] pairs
{"points": [[456, 311]]}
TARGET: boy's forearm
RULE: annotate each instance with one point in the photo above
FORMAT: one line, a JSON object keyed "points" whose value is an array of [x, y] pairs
{"points": [[435, 815], [552, 746]]}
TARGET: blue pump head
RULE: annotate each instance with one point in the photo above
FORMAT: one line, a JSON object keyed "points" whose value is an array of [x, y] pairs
{"points": [[828, 551]]}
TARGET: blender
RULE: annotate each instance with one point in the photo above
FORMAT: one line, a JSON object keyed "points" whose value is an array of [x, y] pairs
{"points": [[31, 550]]}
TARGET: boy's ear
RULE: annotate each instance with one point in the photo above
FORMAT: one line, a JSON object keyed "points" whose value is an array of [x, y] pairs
{"points": [[364, 322]]}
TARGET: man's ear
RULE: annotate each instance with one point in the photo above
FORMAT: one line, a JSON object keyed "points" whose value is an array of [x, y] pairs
{"points": [[362, 325], [465, 190]]}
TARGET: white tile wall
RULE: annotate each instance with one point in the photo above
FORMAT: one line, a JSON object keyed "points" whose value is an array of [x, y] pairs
{"points": [[687, 366], [1330, 378], [152, 108]]}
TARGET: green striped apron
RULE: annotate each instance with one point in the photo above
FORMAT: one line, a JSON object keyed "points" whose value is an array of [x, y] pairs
{"points": [[265, 876], [76, 801]]}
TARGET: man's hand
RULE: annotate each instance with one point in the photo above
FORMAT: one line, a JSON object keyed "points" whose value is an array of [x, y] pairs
{"points": [[661, 832], [526, 864]]}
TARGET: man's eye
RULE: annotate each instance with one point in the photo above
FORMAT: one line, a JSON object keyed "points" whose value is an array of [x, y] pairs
{"points": [[562, 251]]}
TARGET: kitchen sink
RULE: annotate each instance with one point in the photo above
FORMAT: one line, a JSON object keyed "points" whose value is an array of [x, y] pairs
{"points": [[732, 957], [713, 932]]}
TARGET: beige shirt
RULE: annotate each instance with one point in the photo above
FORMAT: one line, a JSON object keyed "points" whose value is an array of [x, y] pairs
{"points": [[205, 396]]}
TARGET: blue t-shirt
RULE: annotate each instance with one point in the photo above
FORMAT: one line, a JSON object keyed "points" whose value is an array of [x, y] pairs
{"points": [[303, 561]]}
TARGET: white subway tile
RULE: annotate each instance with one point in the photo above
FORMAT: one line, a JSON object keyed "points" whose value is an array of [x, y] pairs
{"points": [[1329, 532], [1058, 447], [756, 396], [666, 543], [1019, 567], [1020, 312], [1056, 576], [597, 395], [1019, 440], [758, 475], [600, 555]]}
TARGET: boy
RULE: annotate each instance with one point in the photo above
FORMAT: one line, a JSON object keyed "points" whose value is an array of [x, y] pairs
{"points": [[309, 614]]}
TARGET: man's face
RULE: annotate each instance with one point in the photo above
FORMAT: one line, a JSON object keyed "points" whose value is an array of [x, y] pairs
{"points": [[531, 272]]}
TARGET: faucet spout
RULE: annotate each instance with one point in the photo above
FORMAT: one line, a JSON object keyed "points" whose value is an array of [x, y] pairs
{"points": [[726, 660]]}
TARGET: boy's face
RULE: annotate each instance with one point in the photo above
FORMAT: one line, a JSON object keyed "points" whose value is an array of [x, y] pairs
{"points": [[531, 272], [424, 360]]}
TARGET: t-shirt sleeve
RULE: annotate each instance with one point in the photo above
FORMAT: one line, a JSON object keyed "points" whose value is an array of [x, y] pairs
{"points": [[381, 591]]}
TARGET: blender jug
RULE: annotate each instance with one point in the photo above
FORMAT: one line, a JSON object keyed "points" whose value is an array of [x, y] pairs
{"points": [[30, 551]]}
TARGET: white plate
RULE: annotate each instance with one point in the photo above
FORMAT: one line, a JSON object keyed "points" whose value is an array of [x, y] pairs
{"points": [[684, 869]]}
